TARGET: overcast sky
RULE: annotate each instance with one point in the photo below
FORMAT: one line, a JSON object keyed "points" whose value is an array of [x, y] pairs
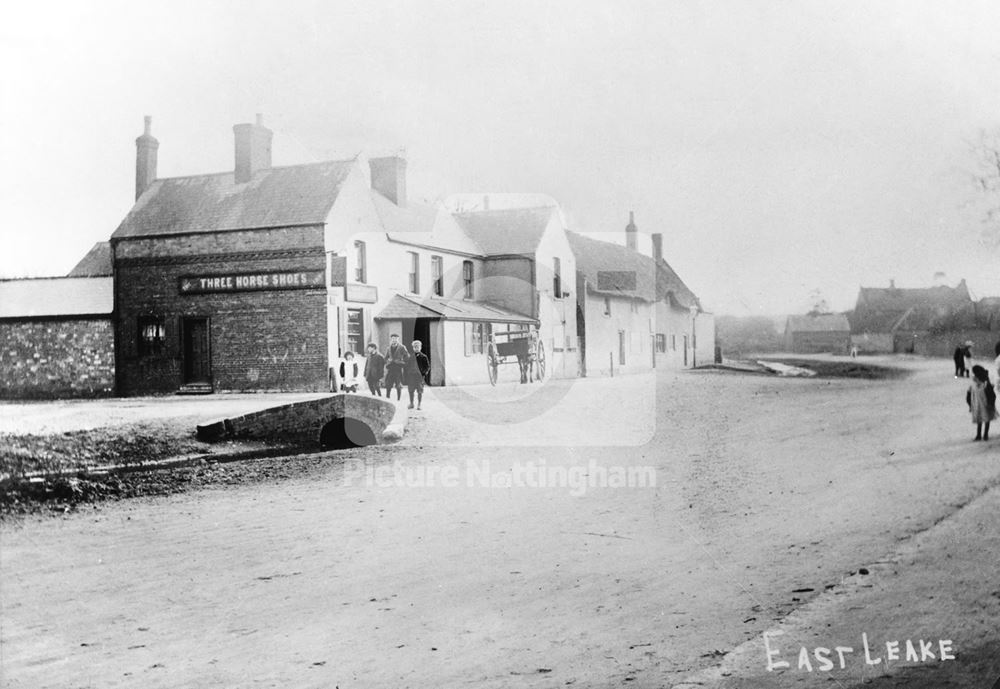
{"points": [[780, 147]]}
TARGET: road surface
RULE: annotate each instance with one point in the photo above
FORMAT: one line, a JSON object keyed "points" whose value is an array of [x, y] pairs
{"points": [[443, 562]]}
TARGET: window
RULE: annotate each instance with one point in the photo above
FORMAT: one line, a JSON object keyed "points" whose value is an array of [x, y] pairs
{"points": [[476, 337], [360, 263], [468, 277], [152, 334], [556, 278], [356, 331], [414, 272], [437, 275], [673, 342], [607, 306], [661, 342]]}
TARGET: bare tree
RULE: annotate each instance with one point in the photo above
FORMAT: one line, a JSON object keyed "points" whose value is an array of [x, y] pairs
{"points": [[986, 177]]}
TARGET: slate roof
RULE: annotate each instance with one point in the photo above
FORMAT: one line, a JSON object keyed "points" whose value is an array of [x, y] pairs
{"points": [[274, 197], [819, 323], [652, 281], [96, 263], [510, 231], [418, 224], [450, 309], [55, 297], [888, 309]]}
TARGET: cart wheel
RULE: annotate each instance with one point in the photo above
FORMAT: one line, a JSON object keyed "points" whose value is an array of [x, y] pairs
{"points": [[492, 364], [540, 360]]}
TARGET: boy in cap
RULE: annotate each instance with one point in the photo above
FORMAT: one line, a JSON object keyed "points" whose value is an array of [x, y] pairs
{"points": [[395, 360], [416, 372]]}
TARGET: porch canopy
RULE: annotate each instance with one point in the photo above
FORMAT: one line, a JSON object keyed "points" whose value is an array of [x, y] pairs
{"points": [[405, 307]]}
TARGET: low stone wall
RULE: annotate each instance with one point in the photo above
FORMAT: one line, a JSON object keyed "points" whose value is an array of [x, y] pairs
{"points": [[303, 421], [51, 358]]}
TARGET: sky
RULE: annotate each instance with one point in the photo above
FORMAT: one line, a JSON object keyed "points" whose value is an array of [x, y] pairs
{"points": [[784, 149]]}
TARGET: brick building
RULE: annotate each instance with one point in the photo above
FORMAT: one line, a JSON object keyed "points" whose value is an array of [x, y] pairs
{"points": [[220, 279]]}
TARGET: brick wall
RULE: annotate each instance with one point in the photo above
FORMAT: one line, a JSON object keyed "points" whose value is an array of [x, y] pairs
{"points": [[259, 340], [57, 358]]}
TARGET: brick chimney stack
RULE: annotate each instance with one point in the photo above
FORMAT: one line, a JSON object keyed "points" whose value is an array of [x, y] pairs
{"points": [[657, 238], [631, 232], [389, 178], [253, 149], [145, 158]]}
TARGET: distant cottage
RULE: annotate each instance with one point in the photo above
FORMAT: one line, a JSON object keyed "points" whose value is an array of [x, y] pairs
{"points": [[926, 320], [816, 333]]}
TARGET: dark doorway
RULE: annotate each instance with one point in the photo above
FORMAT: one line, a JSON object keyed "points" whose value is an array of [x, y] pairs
{"points": [[346, 433], [621, 347], [581, 329], [197, 354]]}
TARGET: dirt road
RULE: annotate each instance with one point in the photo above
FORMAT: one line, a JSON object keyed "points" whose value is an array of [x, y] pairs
{"points": [[442, 562]]}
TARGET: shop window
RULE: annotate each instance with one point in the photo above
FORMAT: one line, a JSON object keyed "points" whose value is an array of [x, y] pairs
{"points": [[661, 342], [437, 275], [476, 337], [468, 278], [360, 263], [152, 335], [556, 278], [356, 331], [414, 284]]}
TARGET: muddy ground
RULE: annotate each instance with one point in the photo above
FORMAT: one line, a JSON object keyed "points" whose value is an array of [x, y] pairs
{"points": [[771, 497]]}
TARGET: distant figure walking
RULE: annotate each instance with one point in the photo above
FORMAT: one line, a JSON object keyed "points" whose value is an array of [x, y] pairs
{"points": [[996, 364], [395, 361], [960, 371], [982, 401], [968, 357], [416, 373], [374, 370]]}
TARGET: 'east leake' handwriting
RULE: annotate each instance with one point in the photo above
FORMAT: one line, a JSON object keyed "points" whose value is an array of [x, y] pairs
{"points": [[826, 659]]}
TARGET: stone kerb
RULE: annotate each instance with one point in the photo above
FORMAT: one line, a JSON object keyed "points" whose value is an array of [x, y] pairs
{"points": [[302, 421]]}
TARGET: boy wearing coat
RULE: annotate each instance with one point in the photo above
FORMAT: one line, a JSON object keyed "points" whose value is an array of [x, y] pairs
{"points": [[416, 372], [374, 370], [395, 360]]}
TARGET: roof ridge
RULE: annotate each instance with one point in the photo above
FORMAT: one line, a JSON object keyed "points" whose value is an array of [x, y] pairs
{"points": [[504, 210], [273, 167]]}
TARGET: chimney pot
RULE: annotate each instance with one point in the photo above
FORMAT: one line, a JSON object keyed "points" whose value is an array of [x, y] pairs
{"points": [[657, 238], [389, 178], [145, 158], [631, 232], [253, 149]]}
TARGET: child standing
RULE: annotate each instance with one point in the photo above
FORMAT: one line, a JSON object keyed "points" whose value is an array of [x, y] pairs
{"points": [[416, 373], [982, 401], [349, 373]]}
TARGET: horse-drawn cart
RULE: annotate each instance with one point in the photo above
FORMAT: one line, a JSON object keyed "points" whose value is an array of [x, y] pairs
{"points": [[520, 347]]}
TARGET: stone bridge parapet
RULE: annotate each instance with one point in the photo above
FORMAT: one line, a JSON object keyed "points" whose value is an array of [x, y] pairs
{"points": [[337, 421]]}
